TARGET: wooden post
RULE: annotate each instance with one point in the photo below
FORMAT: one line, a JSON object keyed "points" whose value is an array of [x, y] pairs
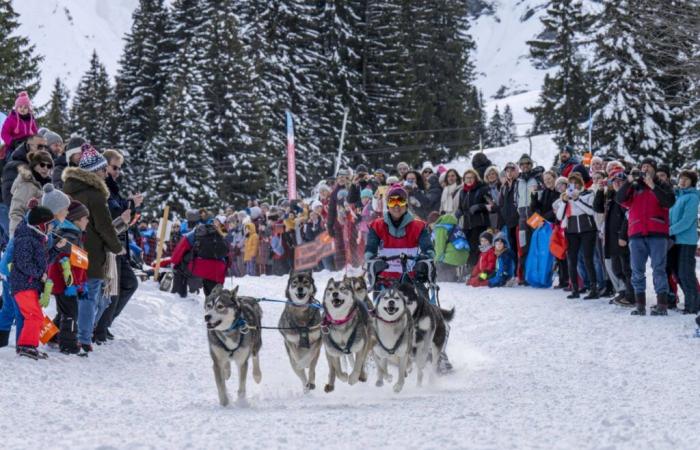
{"points": [[161, 239]]}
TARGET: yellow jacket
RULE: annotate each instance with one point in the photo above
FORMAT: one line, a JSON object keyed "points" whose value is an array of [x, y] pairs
{"points": [[250, 250]]}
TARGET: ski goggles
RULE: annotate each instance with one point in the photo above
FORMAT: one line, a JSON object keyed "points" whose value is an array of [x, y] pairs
{"points": [[395, 200]]}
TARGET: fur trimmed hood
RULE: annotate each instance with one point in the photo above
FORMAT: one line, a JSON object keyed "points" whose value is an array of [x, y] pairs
{"points": [[89, 179], [25, 174]]}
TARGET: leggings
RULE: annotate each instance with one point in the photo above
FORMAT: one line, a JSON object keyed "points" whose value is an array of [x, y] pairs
{"points": [[586, 243]]}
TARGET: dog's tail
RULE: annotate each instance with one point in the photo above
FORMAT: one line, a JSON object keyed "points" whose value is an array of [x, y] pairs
{"points": [[448, 314]]}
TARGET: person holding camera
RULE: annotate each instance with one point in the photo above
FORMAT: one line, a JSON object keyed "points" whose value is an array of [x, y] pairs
{"points": [[576, 215], [648, 201], [118, 205]]}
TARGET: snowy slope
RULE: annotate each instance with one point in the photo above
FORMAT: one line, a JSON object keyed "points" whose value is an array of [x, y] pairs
{"points": [[66, 32], [533, 370]]}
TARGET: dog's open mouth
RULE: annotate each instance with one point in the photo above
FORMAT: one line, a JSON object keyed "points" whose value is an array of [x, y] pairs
{"points": [[391, 310], [337, 302], [212, 325]]}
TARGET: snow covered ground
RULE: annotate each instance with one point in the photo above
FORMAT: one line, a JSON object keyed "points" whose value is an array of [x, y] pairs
{"points": [[533, 370]]}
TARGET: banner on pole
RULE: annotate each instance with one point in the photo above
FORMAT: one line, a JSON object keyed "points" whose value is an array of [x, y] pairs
{"points": [[291, 159], [307, 256]]}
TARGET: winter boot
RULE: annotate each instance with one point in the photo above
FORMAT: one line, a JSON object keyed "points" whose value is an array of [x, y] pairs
{"points": [[4, 338], [31, 352], [697, 320], [109, 335], [641, 304], [661, 307], [574, 294], [593, 295], [85, 349], [627, 300], [620, 295], [609, 291]]}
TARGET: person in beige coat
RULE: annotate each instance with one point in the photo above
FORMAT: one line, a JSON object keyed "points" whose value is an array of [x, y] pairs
{"points": [[28, 185]]}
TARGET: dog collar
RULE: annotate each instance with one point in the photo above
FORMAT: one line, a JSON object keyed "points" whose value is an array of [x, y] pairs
{"points": [[328, 320], [238, 323], [374, 313]]}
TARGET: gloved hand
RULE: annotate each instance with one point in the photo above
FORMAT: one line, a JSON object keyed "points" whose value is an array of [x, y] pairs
{"points": [[71, 291], [45, 296]]}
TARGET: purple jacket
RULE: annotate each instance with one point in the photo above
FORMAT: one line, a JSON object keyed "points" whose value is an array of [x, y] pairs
{"points": [[16, 127], [30, 259]]}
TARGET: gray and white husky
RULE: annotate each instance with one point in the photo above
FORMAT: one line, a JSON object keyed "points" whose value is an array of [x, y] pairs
{"points": [[300, 325], [431, 329], [346, 332], [393, 336], [233, 330]]}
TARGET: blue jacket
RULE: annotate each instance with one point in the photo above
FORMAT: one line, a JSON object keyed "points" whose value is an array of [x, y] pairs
{"points": [[684, 216], [30, 259], [505, 269]]}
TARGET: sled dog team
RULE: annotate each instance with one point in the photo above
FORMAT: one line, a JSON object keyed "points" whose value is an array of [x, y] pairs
{"points": [[400, 328]]}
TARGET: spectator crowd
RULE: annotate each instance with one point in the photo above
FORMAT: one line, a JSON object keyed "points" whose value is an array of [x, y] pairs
{"points": [[606, 220]]}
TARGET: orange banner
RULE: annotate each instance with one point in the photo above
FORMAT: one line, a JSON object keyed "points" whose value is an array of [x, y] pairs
{"points": [[535, 221], [48, 331], [308, 255], [78, 257]]}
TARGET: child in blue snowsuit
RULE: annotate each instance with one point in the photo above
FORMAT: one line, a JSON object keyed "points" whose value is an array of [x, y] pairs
{"points": [[505, 262], [9, 314]]}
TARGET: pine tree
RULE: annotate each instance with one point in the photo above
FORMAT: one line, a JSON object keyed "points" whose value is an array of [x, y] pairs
{"points": [[496, 132], [141, 83], [19, 64], [563, 102], [93, 114], [510, 132], [57, 118], [181, 169], [631, 115], [231, 108]]}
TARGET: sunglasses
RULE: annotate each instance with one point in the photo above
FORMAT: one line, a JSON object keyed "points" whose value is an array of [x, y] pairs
{"points": [[45, 165], [428, 171], [42, 147], [393, 202]]}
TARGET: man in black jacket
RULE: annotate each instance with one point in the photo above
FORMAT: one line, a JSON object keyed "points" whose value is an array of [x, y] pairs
{"points": [[507, 206], [128, 283]]}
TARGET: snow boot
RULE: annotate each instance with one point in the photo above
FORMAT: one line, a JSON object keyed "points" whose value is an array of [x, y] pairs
{"points": [[109, 335], [608, 291], [593, 295], [85, 349], [697, 320], [31, 352], [627, 300], [574, 294], [4, 338], [641, 304], [661, 307], [620, 295]]}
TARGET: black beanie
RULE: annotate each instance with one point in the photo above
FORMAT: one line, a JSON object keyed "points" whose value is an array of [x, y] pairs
{"points": [[39, 215], [649, 161]]}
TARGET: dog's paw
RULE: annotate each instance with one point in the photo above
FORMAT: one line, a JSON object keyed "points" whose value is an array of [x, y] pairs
{"points": [[388, 377], [224, 402], [329, 388], [398, 387], [310, 387], [354, 378], [342, 376], [257, 377], [379, 383], [363, 377]]}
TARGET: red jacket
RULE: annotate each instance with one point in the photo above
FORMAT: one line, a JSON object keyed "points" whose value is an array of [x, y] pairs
{"points": [[388, 244], [648, 209], [55, 273], [207, 269], [487, 264]]}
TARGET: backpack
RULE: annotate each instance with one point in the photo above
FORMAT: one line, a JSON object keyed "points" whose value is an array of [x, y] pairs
{"points": [[208, 243]]}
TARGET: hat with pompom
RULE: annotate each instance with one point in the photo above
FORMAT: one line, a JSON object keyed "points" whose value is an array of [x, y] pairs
{"points": [[23, 100], [91, 160], [54, 199]]}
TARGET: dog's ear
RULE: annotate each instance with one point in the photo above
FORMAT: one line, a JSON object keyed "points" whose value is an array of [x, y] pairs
{"points": [[216, 292], [234, 292]]}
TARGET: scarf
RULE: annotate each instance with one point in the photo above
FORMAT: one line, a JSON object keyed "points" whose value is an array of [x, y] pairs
{"points": [[468, 187]]}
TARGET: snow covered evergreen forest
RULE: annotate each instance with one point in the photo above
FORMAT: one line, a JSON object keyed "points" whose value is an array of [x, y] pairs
{"points": [[198, 94]]}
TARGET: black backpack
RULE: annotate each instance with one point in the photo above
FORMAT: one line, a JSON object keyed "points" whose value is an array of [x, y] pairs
{"points": [[208, 243]]}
